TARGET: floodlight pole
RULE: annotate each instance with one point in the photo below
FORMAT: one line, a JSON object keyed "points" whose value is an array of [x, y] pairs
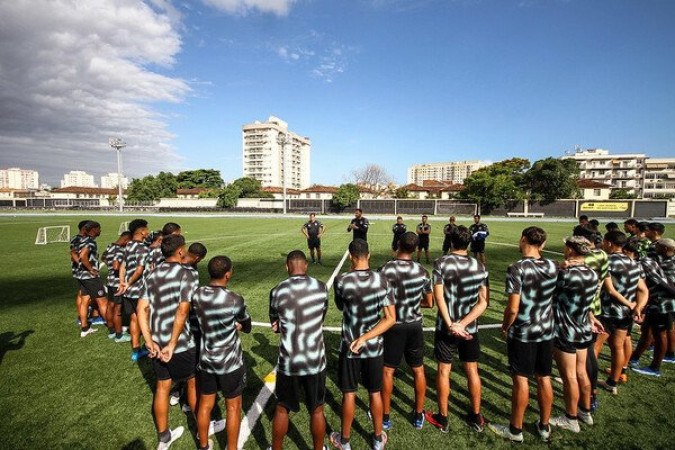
{"points": [[283, 140], [118, 144]]}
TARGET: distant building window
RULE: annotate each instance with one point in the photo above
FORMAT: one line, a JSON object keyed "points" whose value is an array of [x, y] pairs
{"points": [[596, 192]]}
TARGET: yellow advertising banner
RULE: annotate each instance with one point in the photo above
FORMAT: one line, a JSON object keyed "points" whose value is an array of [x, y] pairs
{"points": [[605, 206]]}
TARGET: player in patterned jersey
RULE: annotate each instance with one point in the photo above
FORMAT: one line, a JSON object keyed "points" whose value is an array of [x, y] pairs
{"points": [[359, 225], [618, 309], [133, 272], [313, 230], [367, 304], [412, 290], [479, 233], [163, 307], [113, 257], [461, 292], [654, 232], [155, 257], [423, 232], [447, 231], [398, 229], [297, 309], [75, 264], [667, 263], [575, 291], [88, 276], [221, 314], [660, 306], [528, 324]]}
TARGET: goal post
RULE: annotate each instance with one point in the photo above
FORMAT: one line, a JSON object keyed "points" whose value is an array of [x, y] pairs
{"points": [[124, 226], [49, 235]]}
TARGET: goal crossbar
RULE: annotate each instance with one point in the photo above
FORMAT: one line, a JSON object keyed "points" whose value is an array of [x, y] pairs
{"points": [[48, 235]]}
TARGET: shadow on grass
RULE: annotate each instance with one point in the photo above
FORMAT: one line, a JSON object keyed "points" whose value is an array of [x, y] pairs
{"points": [[10, 341], [136, 444]]}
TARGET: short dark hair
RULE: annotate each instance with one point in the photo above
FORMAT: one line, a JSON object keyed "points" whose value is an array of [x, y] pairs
{"points": [[126, 234], [219, 266], [359, 210], [616, 238], [91, 225], [312, 214], [81, 225], [171, 243], [631, 222], [198, 249], [155, 235], [296, 255], [424, 215], [594, 222], [534, 235], [585, 231], [476, 215], [399, 217], [643, 226], [583, 217], [136, 224], [632, 246], [358, 248], [611, 226], [170, 228], [460, 238], [408, 242], [656, 227]]}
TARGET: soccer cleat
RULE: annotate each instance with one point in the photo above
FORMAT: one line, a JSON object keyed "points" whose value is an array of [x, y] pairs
{"points": [[97, 321], [437, 420], [175, 434], [210, 446], [89, 330], [669, 359], [544, 431], [595, 403], [124, 338], [186, 408], [216, 426], [386, 424], [634, 364], [112, 335], [379, 445], [504, 431], [478, 424], [174, 398], [609, 388], [622, 379], [336, 441], [136, 355], [648, 371], [418, 420], [566, 423], [585, 417]]}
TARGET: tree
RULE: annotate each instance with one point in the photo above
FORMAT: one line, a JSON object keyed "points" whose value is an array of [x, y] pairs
{"points": [[401, 192], [497, 185], [551, 179], [346, 195], [622, 194], [201, 178], [241, 188], [371, 176], [151, 188]]}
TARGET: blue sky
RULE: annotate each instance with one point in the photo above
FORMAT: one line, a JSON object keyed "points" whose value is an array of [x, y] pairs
{"points": [[397, 82]]}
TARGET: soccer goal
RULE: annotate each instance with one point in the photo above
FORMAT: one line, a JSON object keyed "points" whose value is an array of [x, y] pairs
{"points": [[48, 235], [124, 226]]}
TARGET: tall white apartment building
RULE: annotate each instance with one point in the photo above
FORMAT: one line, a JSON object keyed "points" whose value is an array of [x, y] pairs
{"points": [[110, 181], [621, 171], [455, 172], [263, 155], [78, 178], [15, 178], [659, 178]]}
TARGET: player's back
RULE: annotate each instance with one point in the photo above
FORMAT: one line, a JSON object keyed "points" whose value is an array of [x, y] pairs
{"points": [[409, 281]]}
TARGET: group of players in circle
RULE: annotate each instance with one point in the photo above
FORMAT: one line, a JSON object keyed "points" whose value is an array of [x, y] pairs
{"points": [[563, 311]]}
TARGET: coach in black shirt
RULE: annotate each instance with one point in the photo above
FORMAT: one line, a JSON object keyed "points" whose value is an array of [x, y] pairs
{"points": [[359, 225]]}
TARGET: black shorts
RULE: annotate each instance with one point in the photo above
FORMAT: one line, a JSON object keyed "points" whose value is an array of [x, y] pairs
{"points": [[447, 346], [367, 371], [613, 324], [404, 339], [477, 246], [231, 384], [180, 367], [423, 243], [394, 243], [659, 322], [288, 390], [313, 242], [570, 347], [530, 358], [116, 299], [129, 305], [446, 246], [93, 287]]}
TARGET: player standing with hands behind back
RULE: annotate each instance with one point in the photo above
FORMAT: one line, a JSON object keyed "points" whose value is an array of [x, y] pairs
{"points": [[313, 230]]}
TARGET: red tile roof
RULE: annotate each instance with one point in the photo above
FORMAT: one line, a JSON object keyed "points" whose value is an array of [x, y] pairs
{"points": [[321, 189], [280, 190], [85, 190], [592, 184]]}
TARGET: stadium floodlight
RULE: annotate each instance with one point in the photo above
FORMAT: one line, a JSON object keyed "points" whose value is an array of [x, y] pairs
{"points": [[283, 140], [118, 144]]}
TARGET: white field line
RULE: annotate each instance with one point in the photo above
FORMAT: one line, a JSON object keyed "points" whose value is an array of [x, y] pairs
{"points": [[516, 245]]}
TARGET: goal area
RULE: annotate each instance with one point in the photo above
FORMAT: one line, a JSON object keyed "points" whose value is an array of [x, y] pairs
{"points": [[49, 235], [124, 226]]}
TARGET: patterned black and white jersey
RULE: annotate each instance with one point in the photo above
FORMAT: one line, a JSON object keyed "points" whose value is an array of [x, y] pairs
{"points": [[625, 274], [300, 303], [218, 310], [169, 285], [661, 290], [92, 246], [75, 247], [361, 295], [409, 281], [573, 299], [598, 261], [155, 256], [535, 281], [312, 229], [462, 277], [362, 231], [136, 254], [113, 253]]}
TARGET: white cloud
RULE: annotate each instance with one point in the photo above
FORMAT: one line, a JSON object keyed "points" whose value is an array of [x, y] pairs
{"points": [[278, 7], [73, 73]]}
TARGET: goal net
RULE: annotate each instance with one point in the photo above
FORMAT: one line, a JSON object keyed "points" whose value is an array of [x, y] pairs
{"points": [[124, 226], [48, 235]]}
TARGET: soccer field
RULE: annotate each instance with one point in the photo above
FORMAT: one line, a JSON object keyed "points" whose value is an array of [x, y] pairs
{"points": [[65, 392]]}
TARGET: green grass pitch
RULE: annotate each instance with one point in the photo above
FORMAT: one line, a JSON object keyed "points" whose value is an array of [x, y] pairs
{"points": [[63, 392]]}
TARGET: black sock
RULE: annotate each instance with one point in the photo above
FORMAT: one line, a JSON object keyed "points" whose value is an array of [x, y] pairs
{"points": [[474, 416], [541, 426], [418, 415], [515, 430], [165, 436], [670, 354], [385, 417], [378, 438], [623, 370], [611, 382], [571, 417], [344, 440], [136, 349], [119, 335], [584, 410], [86, 328]]}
